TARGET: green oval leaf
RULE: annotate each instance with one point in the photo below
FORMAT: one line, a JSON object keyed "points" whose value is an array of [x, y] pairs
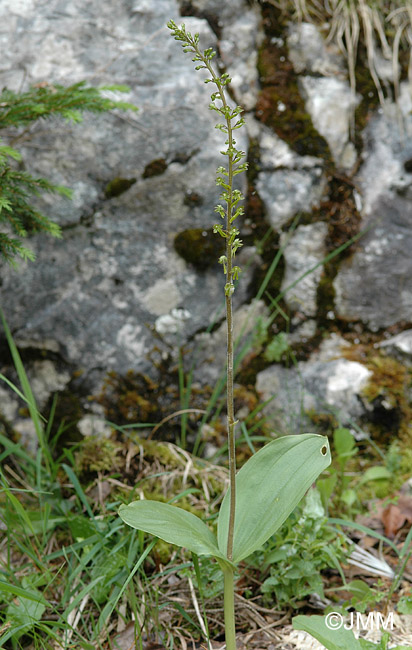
{"points": [[376, 473], [333, 637], [172, 524], [268, 487]]}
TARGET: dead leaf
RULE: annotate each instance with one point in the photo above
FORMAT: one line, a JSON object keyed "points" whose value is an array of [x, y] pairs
{"points": [[397, 515], [126, 640]]}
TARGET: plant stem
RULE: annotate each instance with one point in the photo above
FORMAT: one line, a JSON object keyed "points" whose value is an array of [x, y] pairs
{"points": [[229, 214], [229, 602], [229, 607], [230, 425], [229, 331], [229, 311]]}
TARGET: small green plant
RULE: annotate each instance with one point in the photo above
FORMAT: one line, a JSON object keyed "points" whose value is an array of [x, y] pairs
{"points": [[337, 483], [295, 556], [277, 347], [341, 488], [273, 481], [17, 188]]}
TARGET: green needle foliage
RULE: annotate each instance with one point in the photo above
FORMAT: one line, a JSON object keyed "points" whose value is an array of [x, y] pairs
{"points": [[18, 217]]}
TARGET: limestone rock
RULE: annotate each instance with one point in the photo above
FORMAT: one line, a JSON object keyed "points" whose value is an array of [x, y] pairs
{"points": [[238, 49], [212, 346], [329, 99], [45, 379], [288, 183], [327, 383], [386, 169], [373, 285], [108, 288], [223, 12], [93, 425], [9, 404], [331, 104], [310, 54], [399, 346], [304, 249]]}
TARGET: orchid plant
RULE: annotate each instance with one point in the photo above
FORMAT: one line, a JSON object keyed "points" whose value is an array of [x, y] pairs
{"points": [[273, 481]]}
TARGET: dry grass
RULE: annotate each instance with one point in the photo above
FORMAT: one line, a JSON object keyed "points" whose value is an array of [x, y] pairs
{"points": [[383, 28]]}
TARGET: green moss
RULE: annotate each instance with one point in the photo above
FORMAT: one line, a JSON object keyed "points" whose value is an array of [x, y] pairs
{"points": [[155, 168], [199, 246], [325, 423], [137, 398], [97, 455], [325, 294], [389, 380], [193, 199], [280, 104], [406, 461], [156, 450], [366, 88], [130, 398], [118, 186], [162, 552], [340, 213], [388, 391]]}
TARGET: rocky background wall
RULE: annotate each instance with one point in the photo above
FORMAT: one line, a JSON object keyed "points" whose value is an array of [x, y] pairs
{"points": [[133, 288]]}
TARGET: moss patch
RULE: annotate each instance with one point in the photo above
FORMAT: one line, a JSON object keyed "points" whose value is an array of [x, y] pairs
{"points": [[343, 219], [97, 455], [155, 168], [130, 398], [280, 105], [118, 186], [388, 393], [136, 398], [366, 88], [199, 246]]}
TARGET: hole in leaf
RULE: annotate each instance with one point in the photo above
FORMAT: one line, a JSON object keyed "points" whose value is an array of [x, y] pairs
{"points": [[324, 450]]}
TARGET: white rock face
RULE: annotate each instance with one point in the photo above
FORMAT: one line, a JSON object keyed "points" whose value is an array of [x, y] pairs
{"points": [[27, 432], [172, 323], [328, 96], [331, 103], [346, 379], [401, 343], [238, 49], [275, 153], [309, 52], [8, 405], [287, 192], [304, 250], [45, 379], [102, 296], [162, 296], [93, 425], [288, 183], [99, 290], [388, 137]]}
